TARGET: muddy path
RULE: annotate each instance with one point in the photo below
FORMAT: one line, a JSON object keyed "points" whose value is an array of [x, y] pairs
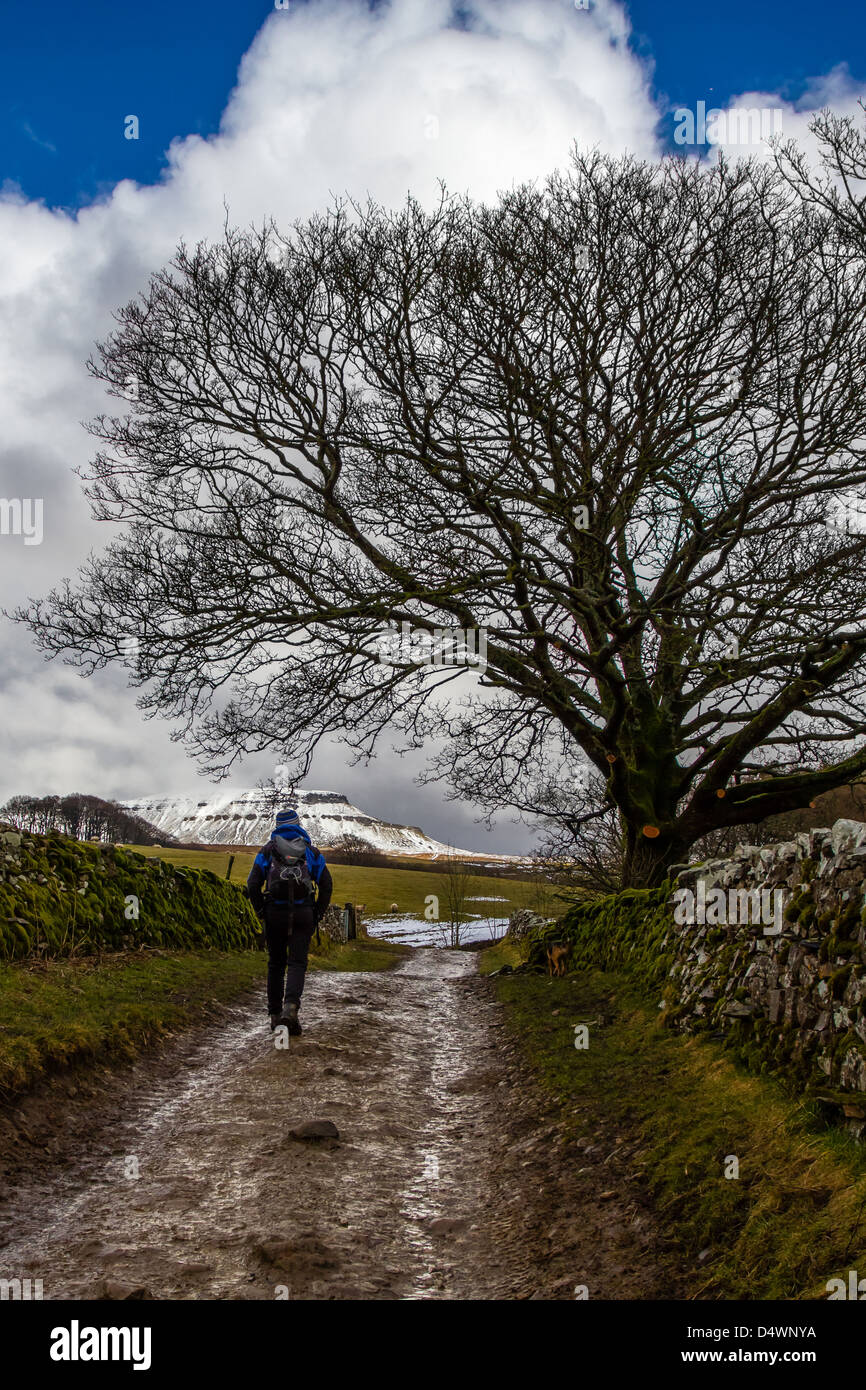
{"points": [[450, 1178]]}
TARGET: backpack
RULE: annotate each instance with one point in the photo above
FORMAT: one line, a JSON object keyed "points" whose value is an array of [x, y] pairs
{"points": [[288, 878]]}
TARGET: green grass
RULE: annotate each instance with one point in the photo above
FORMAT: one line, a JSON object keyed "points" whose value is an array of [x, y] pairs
{"points": [[794, 1218], [505, 952], [62, 1012], [365, 953], [377, 887]]}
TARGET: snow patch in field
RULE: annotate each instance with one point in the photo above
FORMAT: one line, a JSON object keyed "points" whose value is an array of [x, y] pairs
{"points": [[415, 931]]}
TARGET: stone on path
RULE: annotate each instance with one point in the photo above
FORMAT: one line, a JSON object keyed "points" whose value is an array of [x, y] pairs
{"points": [[312, 1130], [446, 1225]]}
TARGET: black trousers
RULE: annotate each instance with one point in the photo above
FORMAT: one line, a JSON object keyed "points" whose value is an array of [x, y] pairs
{"points": [[288, 932]]}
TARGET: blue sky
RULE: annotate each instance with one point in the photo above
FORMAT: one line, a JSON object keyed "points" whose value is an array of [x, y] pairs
{"points": [[72, 73]]}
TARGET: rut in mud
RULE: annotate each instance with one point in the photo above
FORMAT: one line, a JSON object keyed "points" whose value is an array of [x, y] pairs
{"points": [[448, 1181]]}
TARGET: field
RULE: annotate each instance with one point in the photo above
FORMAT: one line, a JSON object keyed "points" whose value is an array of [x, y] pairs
{"points": [[378, 888]]}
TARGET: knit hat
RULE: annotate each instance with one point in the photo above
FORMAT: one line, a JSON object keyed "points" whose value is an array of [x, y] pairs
{"points": [[285, 818]]}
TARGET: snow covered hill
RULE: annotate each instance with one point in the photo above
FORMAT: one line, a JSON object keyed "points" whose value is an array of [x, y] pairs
{"points": [[232, 817]]}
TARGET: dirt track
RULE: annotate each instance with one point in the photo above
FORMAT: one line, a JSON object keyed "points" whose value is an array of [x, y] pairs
{"points": [[176, 1179]]}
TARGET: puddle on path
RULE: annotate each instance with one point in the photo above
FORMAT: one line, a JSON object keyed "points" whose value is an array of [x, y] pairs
{"points": [[196, 1191]]}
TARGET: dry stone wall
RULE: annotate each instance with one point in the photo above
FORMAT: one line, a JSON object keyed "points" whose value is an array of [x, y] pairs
{"points": [[522, 922], [787, 989]]}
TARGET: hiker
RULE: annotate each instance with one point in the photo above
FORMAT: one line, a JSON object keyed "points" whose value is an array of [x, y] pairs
{"points": [[290, 888]]}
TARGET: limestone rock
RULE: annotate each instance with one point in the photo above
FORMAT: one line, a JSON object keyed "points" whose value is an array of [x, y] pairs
{"points": [[737, 1009], [116, 1290], [521, 923]]}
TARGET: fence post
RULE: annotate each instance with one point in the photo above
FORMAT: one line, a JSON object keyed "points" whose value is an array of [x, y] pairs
{"points": [[349, 918], [229, 869]]}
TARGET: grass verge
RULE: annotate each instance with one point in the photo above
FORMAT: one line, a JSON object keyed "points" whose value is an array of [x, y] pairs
{"points": [[364, 953], [505, 952], [795, 1216], [59, 1013]]}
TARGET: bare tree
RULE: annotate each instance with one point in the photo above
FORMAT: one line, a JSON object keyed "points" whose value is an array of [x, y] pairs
{"points": [[457, 876], [593, 862], [841, 191], [606, 422], [37, 814], [276, 793], [353, 850]]}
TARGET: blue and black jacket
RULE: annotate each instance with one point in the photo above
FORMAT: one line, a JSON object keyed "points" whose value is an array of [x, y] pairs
{"points": [[316, 866]]}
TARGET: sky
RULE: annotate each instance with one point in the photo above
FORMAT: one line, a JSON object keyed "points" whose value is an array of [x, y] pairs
{"points": [[127, 128]]}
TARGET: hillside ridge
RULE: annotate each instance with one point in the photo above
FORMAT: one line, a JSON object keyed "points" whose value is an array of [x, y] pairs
{"points": [[245, 817]]}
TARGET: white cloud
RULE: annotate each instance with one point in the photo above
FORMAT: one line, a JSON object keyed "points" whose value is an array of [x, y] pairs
{"points": [[837, 89]]}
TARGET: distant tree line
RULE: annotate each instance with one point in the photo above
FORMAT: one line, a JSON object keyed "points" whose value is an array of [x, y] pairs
{"points": [[351, 849], [82, 817]]}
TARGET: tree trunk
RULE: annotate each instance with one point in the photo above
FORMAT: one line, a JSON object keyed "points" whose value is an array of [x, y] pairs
{"points": [[647, 862]]}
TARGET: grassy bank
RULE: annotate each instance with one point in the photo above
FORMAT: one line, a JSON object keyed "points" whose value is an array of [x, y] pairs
{"points": [[63, 1012], [796, 1214]]}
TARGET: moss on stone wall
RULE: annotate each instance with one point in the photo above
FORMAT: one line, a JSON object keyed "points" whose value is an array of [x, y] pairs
{"points": [[60, 897], [630, 931], [790, 1002]]}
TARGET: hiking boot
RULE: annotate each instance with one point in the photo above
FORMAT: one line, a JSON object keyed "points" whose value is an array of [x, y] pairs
{"points": [[275, 1020], [289, 1017]]}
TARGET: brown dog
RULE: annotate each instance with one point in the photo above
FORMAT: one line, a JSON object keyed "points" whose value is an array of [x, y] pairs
{"points": [[557, 958]]}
